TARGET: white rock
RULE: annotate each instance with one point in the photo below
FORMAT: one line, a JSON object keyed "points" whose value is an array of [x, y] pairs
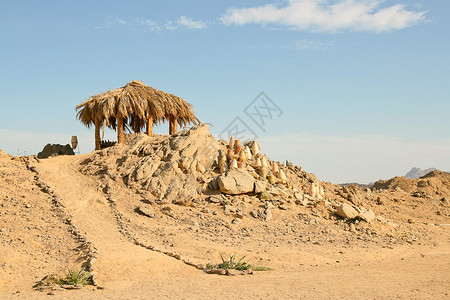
{"points": [[236, 181], [260, 186], [368, 215], [346, 211], [147, 210]]}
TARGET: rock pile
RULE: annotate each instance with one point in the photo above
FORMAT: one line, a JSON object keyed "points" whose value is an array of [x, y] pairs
{"points": [[55, 149], [192, 167]]}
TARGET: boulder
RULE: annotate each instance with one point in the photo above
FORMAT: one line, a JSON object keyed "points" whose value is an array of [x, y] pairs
{"points": [[346, 211], [368, 215], [235, 182], [55, 149]]}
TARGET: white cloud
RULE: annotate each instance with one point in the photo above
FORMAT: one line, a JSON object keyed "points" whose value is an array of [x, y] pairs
{"points": [[149, 24], [185, 22], [359, 158], [327, 16]]}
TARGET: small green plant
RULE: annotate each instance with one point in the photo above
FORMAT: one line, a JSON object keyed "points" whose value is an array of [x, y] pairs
{"points": [[236, 264], [265, 194], [76, 277]]}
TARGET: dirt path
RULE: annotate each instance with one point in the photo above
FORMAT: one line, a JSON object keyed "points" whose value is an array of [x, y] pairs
{"points": [[118, 259]]}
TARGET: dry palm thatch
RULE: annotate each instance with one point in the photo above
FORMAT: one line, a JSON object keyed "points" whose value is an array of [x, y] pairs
{"points": [[137, 104]]}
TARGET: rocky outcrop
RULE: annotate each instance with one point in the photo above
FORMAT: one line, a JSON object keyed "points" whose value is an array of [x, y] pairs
{"points": [[55, 149], [172, 169]]}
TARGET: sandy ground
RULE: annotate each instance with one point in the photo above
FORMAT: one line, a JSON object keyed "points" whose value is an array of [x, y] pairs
{"points": [[338, 264]]}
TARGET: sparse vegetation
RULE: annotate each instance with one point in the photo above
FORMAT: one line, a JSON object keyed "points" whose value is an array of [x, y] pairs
{"points": [[265, 195], [75, 277], [232, 262]]}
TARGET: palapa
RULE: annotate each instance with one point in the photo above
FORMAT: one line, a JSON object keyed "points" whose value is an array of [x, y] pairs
{"points": [[135, 105]]}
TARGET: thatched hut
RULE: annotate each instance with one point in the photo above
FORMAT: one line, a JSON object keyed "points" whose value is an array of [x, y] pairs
{"points": [[137, 105]]}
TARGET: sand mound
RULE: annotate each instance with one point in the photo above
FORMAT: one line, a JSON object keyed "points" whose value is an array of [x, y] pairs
{"points": [[3, 153], [433, 183]]}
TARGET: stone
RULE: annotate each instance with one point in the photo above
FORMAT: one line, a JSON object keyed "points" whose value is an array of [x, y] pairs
{"points": [[298, 196], [55, 149], [269, 205], [352, 228], [368, 215], [235, 182], [284, 207], [232, 272], [346, 211], [262, 213], [353, 198], [216, 199], [275, 192], [228, 209], [260, 186], [303, 202], [167, 210], [380, 201]]}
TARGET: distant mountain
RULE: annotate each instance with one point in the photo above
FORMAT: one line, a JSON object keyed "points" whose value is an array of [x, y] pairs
{"points": [[415, 173]]}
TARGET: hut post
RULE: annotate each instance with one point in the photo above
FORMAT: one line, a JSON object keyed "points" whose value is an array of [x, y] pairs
{"points": [[120, 136], [136, 126], [97, 134], [173, 125], [150, 126]]}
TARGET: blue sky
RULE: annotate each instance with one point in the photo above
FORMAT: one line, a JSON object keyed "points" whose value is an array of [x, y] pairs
{"points": [[363, 86]]}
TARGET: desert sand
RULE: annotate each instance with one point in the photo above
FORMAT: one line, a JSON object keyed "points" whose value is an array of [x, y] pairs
{"points": [[145, 219]]}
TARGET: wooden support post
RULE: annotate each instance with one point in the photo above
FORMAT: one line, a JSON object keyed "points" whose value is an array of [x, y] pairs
{"points": [[173, 125], [97, 134], [120, 135], [150, 126]]}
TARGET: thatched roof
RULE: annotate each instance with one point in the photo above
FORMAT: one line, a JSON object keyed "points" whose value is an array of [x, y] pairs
{"points": [[135, 102]]}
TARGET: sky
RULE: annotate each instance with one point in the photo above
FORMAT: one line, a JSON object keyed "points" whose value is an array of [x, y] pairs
{"points": [[352, 91]]}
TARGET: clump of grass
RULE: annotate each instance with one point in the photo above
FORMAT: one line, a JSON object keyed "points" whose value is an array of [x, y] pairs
{"points": [[75, 277], [232, 262], [264, 195]]}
